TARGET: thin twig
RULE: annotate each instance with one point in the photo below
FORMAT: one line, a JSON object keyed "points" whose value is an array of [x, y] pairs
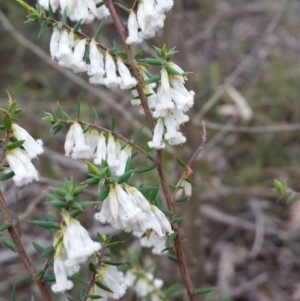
{"points": [[119, 136], [20, 249], [92, 280], [191, 161], [159, 160]]}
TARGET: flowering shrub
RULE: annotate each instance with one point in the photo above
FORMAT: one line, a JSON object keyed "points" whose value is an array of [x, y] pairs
{"points": [[163, 100]]}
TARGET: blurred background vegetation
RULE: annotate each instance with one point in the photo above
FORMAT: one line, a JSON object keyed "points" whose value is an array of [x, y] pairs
{"points": [[244, 56]]}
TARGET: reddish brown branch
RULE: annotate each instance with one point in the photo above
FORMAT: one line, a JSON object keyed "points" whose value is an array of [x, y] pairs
{"points": [[20, 249], [159, 159]]}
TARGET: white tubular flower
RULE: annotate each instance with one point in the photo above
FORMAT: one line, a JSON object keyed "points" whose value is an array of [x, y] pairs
{"points": [[124, 155], [54, 42], [118, 209], [77, 242], [111, 80], [164, 100], [113, 279], [62, 283], [128, 81], [139, 199], [102, 11], [152, 99], [135, 101], [96, 68], [78, 64], [112, 152], [79, 139], [164, 222], [91, 140], [171, 126], [45, 4], [164, 5], [158, 135], [144, 284], [101, 150], [64, 52], [32, 147], [187, 186], [179, 116], [21, 165], [155, 242], [133, 33], [141, 18]]}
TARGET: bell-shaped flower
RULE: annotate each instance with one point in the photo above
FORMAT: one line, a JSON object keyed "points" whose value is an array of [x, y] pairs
{"points": [[111, 278], [113, 152], [164, 222], [164, 5], [91, 138], [32, 147], [77, 63], [133, 29], [158, 244], [45, 4], [158, 135], [77, 242], [124, 155], [111, 80], [65, 52], [22, 167], [96, 67], [54, 42], [101, 150], [128, 81], [102, 11]]}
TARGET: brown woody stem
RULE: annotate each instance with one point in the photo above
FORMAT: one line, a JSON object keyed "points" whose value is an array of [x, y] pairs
{"points": [[159, 159]]}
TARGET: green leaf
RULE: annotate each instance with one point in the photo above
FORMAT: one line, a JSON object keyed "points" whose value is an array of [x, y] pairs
{"points": [[139, 54], [56, 128], [50, 10], [32, 298], [111, 262], [48, 252], [113, 123], [125, 177], [172, 71], [75, 205], [64, 17], [166, 212], [94, 296], [13, 293], [99, 30], [60, 192], [180, 163], [95, 116], [44, 26], [182, 199], [92, 181], [38, 273], [82, 293], [78, 190], [45, 224], [9, 244], [4, 227], [138, 134], [92, 267], [191, 182], [177, 220], [7, 176], [12, 107], [7, 122], [100, 238], [172, 237], [153, 79], [101, 285], [128, 165], [100, 4], [173, 257], [50, 278], [75, 212], [75, 29], [153, 62], [39, 248], [25, 5], [49, 117], [113, 244], [173, 289], [153, 193], [15, 145], [144, 169], [92, 168], [203, 291], [104, 194], [86, 204], [124, 8]]}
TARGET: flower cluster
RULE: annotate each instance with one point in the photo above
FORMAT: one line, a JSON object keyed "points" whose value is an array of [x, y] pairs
{"points": [[85, 10], [168, 105], [19, 159], [144, 284], [92, 145], [70, 52], [112, 279], [73, 246], [148, 19], [128, 209]]}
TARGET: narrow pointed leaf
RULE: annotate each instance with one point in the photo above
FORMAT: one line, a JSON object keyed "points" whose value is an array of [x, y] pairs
{"points": [[7, 176], [144, 169], [15, 145], [203, 291], [4, 227], [99, 30], [46, 224], [182, 199], [39, 248], [9, 244], [101, 285]]}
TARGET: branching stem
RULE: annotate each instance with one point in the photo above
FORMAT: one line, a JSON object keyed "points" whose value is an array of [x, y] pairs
{"points": [[159, 159]]}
